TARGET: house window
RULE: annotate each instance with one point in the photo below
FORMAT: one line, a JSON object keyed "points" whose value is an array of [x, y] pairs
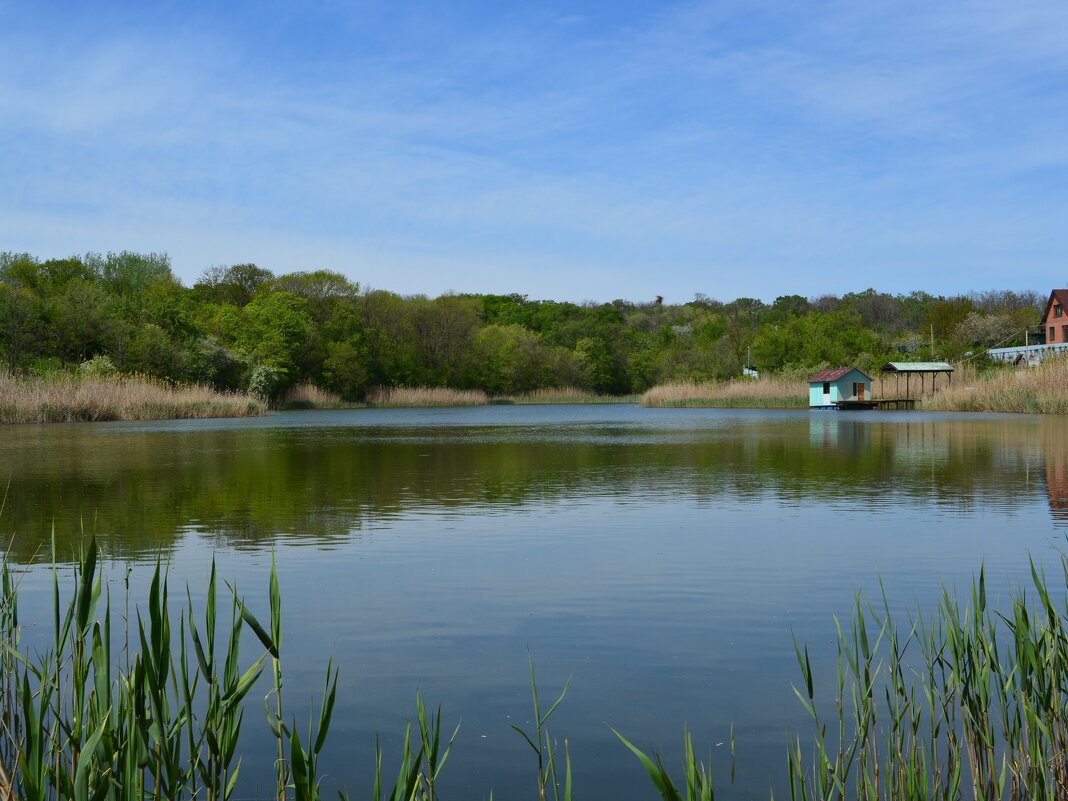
{"points": [[826, 387], [1064, 333], [1057, 311], [1052, 333]]}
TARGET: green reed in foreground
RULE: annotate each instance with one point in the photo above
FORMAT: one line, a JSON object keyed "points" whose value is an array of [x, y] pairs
{"points": [[967, 702], [90, 721]]}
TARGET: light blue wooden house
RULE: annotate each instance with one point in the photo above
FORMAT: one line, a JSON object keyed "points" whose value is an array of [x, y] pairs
{"points": [[831, 387]]}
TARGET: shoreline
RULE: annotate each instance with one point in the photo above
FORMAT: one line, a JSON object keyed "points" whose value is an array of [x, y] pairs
{"points": [[73, 397]]}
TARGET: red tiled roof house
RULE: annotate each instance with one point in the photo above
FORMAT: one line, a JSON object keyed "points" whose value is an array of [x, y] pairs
{"points": [[1055, 318]]}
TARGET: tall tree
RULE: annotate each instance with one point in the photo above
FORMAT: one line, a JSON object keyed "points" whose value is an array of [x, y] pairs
{"points": [[236, 284], [21, 325]]}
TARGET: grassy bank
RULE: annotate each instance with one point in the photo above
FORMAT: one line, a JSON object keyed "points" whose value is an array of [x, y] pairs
{"points": [[965, 701], [69, 397], [762, 393], [393, 397], [562, 395], [1042, 389]]}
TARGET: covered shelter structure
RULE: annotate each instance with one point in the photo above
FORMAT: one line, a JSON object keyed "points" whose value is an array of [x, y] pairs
{"points": [[911, 370]]}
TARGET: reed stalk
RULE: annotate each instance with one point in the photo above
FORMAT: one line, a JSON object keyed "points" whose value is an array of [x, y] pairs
{"points": [[545, 748]]}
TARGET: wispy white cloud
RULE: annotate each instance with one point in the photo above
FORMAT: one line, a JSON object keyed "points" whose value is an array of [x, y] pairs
{"points": [[694, 145]]}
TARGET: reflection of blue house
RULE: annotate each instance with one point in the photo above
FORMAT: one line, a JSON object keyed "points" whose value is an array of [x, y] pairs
{"points": [[842, 384]]}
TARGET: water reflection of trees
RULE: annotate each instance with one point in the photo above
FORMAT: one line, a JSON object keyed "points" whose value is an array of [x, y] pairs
{"points": [[141, 490]]}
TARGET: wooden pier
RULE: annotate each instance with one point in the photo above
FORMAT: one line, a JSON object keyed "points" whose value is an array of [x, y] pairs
{"points": [[882, 404]]}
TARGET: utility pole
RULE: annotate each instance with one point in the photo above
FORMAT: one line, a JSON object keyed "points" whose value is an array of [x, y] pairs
{"points": [[932, 341]]}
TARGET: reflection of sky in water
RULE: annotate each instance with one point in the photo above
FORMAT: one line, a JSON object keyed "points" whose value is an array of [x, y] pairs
{"points": [[665, 558]]}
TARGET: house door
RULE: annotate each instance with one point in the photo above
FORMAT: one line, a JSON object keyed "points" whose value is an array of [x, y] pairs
{"points": [[860, 391], [826, 393]]}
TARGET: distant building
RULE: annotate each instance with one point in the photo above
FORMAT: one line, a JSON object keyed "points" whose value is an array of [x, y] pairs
{"points": [[1054, 330], [1030, 356], [1055, 318], [827, 388]]}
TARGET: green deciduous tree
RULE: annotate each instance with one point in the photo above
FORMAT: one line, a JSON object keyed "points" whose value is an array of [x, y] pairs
{"points": [[345, 371], [236, 285], [323, 289], [444, 331], [21, 325], [509, 359], [81, 317], [127, 273], [275, 328], [837, 338]]}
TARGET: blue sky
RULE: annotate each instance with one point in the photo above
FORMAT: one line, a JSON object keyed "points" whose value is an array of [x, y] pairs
{"points": [[572, 151]]}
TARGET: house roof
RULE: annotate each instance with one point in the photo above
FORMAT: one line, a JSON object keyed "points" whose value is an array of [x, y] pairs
{"points": [[917, 367], [835, 374], [1061, 296]]}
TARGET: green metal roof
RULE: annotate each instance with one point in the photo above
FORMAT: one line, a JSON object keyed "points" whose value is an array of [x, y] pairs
{"points": [[917, 367]]}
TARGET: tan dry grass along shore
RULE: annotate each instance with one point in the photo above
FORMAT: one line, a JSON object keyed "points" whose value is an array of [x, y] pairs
{"points": [[426, 396], [68, 398], [762, 393], [308, 396], [1042, 389], [563, 395]]}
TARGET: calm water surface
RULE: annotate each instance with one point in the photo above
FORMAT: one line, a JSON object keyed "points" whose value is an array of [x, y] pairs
{"points": [[662, 558]]}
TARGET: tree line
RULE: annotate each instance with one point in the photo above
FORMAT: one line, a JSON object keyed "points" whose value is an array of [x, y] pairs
{"points": [[243, 327]]}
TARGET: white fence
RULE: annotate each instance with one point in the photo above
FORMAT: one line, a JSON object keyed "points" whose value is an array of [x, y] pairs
{"points": [[1030, 355]]}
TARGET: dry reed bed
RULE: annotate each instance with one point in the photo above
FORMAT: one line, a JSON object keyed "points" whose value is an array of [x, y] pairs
{"points": [[563, 395], [309, 396], [765, 393], [69, 398], [1042, 389], [426, 396]]}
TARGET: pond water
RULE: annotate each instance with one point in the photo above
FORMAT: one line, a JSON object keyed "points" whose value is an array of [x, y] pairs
{"points": [[662, 558]]}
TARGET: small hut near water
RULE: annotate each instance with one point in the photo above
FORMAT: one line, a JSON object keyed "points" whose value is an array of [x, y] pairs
{"points": [[830, 387]]}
